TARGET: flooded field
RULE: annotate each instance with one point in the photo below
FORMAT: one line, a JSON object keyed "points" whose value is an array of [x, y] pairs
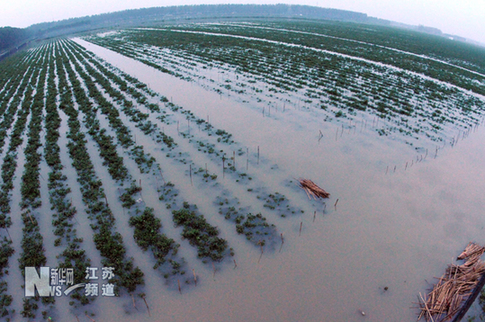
{"points": [[199, 179]]}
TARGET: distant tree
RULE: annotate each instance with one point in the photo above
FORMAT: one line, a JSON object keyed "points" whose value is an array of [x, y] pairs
{"points": [[10, 37]]}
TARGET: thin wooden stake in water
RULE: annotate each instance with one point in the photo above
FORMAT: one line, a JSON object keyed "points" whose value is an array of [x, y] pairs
{"points": [[234, 157], [258, 154], [191, 182], [158, 188], [301, 225], [195, 276], [314, 215], [335, 205], [282, 242], [235, 264], [106, 199], [180, 289], [223, 167], [261, 244], [92, 320], [133, 299], [31, 219], [148, 308], [247, 158]]}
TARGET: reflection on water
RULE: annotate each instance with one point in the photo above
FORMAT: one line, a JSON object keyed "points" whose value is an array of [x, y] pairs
{"points": [[394, 229]]}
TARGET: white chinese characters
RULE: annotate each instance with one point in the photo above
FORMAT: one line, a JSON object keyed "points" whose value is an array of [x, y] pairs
{"points": [[92, 288]]}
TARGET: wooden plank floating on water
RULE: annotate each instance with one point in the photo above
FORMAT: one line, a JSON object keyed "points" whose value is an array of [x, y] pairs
{"points": [[452, 294], [312, 189]]}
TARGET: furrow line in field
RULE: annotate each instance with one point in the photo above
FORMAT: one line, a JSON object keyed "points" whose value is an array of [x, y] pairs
{"points": [[359, 42], [10, 163], [73, 256], [209, 245], [108, 152], [33, 251], [108, 242], [161, 246]]}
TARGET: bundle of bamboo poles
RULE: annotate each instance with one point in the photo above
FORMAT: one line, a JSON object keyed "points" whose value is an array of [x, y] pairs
{"points": [[312, 190], [454, 287]]}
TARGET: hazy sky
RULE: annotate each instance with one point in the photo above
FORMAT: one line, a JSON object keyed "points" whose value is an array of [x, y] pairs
{"points": [[461, 17]]}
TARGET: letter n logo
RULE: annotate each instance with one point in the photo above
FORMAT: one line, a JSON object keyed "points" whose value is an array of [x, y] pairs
{"points": [[33, 281]]}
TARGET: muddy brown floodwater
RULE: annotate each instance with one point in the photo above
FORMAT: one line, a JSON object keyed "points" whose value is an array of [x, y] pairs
{"points": [[395, 229]]}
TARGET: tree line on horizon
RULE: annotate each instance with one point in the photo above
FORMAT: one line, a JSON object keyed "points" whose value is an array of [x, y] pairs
{"points": [[11, 37]]}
